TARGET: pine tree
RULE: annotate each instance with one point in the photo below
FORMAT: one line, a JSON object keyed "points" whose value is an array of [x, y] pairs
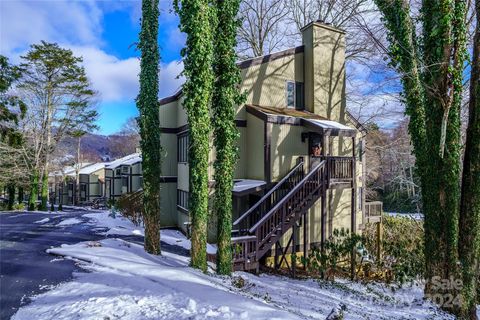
{"points": [[59, 98], [225, 97], [149, 123], [196, 17]]}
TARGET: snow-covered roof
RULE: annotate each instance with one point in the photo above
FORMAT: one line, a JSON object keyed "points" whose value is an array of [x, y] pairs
{"points": [[328, 127], [127, 160], [92, 168], [244, 185], [70, 170]]}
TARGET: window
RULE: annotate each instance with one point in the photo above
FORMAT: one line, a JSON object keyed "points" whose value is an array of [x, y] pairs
{"points": [[182, 147], [290, 94], [182, 199], [118, 171], [295, 95], [124, 169]]}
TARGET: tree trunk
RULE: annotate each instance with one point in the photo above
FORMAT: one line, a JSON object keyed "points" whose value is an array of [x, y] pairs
{"points": [[32, 201], [224, 99], [149, 122], [77, 173], [469, 240], [195, 20], [44, 196], [20, 194], [11, 196]]}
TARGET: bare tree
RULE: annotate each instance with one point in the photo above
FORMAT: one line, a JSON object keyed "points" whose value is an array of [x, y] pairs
{"points": [[262, 28]]}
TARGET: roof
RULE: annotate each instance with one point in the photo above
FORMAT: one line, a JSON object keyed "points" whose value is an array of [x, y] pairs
{"points": [[127, 160], [93, 168], [288, 112], [328, 127], [70, 170], [246, 186], [304, 118]]}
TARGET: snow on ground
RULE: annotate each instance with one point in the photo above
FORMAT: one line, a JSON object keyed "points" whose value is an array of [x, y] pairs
{"points": [[128, 283], [69, 222], [116, 224], [42, 221], [122, 226]]}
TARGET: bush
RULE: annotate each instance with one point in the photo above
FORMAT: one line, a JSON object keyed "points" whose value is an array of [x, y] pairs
{"points": [[19, 206], [336, 257], [130, 206], [403, 257]]}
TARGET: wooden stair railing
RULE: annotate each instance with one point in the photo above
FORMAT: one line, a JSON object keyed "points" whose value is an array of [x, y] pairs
{"points": [[269, 227], [269, 200]]}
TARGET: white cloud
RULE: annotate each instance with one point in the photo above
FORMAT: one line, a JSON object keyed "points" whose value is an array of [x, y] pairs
{"points": [[77, 25], [117, 79], [25, 22]]}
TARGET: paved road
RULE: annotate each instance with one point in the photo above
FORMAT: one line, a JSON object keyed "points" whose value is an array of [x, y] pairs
{"points": [[26, 269]]}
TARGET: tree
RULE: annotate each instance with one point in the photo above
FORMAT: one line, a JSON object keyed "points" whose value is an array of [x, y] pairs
{"points": [[59, 96], [225, 98], [196, 21], [12, 108], [125, 141], [469, 224], [431, 74], [149, 122], [262, 27]]}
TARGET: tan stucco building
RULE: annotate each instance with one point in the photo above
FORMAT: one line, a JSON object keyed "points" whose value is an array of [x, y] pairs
{"points": [[294, 121]]}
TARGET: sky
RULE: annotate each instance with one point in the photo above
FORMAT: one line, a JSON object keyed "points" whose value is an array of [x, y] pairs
{"points": [[104, 33]]}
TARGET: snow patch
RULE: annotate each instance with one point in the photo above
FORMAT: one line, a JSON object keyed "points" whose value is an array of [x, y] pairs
{"points": [[42, 221], [69, 222]]}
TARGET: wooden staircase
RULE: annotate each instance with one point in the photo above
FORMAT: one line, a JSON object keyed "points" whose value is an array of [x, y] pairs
{"points": [[280, 209]]}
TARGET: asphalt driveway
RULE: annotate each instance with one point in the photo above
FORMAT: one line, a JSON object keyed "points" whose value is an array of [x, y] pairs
{"points": [[25, 268]]}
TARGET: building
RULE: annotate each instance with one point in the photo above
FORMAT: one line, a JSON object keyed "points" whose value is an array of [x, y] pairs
{"points": [[301, 168], [97, 180], [123, 175]]}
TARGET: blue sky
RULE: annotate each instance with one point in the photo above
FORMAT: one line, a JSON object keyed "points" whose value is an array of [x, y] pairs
{"points": [[104, 34]]}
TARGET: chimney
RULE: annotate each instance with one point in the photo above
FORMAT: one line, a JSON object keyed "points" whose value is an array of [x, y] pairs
{"points": [[324, 70]]}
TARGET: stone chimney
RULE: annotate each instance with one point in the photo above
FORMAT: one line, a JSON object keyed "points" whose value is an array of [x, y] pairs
{"points": [[324, 63]]}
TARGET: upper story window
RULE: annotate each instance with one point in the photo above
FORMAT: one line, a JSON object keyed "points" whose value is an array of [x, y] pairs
{"points": [[295, 95], [124, 169], [182, 147]]}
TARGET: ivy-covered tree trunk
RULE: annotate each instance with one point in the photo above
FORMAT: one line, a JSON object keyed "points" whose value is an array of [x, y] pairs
{"points": [[432, 83], [149, 124], [225, 98], [196, 17], [44, 191], [469, 240], [32, 200]]}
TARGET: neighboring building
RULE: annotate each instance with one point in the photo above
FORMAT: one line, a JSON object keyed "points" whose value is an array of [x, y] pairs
{"points": [[123, 175], [62, 184], [97, 180]]}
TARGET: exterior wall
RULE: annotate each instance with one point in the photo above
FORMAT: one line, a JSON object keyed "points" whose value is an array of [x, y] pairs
{"points": [[168, 204], [286, 147], [265, 84], [255, 152]]}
